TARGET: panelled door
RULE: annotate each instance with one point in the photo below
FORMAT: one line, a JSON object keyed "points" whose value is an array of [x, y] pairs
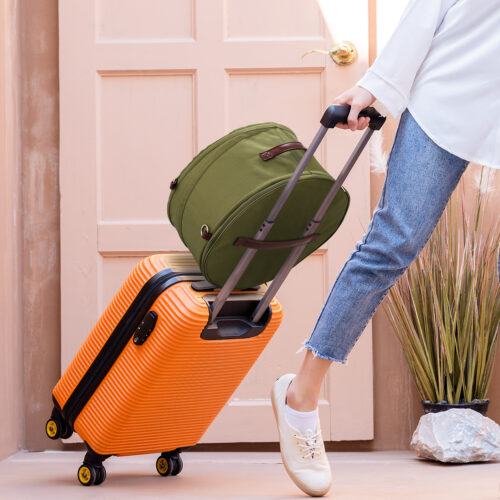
{"points": [[144, 86]]}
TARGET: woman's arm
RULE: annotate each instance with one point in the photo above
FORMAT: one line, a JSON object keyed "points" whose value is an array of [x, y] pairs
{"points": [[390, 78], [392, 74]]}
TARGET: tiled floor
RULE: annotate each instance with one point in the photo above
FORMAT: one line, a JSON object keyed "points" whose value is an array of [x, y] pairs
{"points": [[230, 475]]}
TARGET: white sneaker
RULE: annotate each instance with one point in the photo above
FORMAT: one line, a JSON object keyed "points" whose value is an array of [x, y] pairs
{"points": [[303, 456]]}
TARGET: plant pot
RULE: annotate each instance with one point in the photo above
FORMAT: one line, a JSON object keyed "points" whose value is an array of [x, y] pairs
{"points": [[478, 405]]}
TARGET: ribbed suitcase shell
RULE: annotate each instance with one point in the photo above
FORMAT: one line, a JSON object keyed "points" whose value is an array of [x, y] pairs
{"points": [[165, 393]]}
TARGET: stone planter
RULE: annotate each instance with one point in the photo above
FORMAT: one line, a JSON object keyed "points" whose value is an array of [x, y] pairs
{"points": [[478, 405], [456, 436]]}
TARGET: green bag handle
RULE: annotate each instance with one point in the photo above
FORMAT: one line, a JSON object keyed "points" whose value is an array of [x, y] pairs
{"points": [[282, 148]]}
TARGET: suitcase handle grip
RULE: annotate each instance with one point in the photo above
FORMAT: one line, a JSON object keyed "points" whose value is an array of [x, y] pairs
{"points": [[338, 113], [274, 245]]}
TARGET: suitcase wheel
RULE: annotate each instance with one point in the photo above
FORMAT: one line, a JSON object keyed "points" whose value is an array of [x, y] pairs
{"points": [[177, 465], [89, 475], [53, 428], [164, 465], [56, 428], [100, 476], [169, 464]]}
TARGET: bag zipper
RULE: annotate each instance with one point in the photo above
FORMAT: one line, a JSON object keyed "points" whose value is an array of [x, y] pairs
{"points": [[218, 233]]}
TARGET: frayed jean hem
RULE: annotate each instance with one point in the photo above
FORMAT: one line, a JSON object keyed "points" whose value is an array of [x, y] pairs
{"points": [[307, 345]]}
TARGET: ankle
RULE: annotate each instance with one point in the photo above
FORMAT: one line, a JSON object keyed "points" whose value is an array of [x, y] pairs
{"points": [[299, 402]]}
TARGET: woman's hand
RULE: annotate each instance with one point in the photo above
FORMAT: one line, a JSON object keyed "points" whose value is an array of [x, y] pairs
{"points": [[359, 98]]}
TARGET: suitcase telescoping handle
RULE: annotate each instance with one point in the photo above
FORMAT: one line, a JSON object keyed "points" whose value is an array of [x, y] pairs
{"points": [[339, 113], [333, 115]]}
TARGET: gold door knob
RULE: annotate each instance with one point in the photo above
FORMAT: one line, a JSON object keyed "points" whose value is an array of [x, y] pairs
{"points": [[343, 53]]}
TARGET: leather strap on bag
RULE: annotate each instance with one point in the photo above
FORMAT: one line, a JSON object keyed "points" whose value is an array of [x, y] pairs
{"points": [[277, 150], [274, 245]]}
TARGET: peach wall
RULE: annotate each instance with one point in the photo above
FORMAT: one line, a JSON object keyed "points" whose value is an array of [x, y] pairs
{"points": [[397, 408], [11, 375], [40, 165]]}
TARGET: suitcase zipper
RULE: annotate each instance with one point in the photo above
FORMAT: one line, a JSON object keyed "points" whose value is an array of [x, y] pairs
{"points": [[117, 341]]}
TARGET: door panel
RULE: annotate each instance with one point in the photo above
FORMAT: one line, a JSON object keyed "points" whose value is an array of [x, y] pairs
{"points": [[132, 176], [145, 85], [145, 19], [285, 19]]}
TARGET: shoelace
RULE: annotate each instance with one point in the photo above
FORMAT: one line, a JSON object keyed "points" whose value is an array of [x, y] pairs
{"points": [[311, 444]]}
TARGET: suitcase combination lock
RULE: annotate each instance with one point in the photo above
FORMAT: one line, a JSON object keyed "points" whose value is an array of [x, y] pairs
{"points": [[145, 328]]}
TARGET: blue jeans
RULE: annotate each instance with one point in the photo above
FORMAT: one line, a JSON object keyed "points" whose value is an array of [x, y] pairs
{"points": [[420, 179]]}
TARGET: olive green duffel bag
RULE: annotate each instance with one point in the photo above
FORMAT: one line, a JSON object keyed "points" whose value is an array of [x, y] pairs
{"points": [[225, 193]]}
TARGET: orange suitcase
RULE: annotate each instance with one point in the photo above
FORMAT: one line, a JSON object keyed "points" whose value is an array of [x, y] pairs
{"points": [[170, 349], [153, 373]]}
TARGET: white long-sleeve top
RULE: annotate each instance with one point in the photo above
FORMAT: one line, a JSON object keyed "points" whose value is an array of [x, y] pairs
{"points": [[443, 64]]}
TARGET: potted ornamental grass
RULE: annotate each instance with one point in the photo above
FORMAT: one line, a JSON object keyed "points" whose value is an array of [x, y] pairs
{"points": [[445, 310]]}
